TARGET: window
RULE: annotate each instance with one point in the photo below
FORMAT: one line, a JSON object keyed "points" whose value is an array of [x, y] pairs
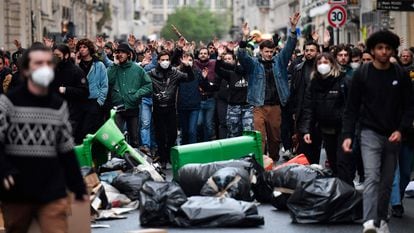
{"points": [[137, 15], [173, 3], [158, 19], [221, 4], [157, 4]]}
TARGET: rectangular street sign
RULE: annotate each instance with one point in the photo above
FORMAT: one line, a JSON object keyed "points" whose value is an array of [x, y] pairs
{"points": [[341, 2], [391, 5]]}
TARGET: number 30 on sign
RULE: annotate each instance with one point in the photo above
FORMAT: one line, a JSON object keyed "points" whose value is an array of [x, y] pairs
{"points": [[337, 16]]}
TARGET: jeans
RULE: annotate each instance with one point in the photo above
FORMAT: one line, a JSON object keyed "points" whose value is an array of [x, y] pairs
{"points": [[165, 122], [147, 128], [188, 123], [130, 117], [380, 158], [239, 119], [206, 119], [52, 216], [402, 173]]}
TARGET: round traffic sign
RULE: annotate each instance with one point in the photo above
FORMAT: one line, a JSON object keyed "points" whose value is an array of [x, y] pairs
{"points": [[337, 16]]}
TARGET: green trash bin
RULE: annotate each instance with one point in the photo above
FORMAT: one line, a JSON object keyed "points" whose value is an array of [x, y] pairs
{"points": [[218, 150]]}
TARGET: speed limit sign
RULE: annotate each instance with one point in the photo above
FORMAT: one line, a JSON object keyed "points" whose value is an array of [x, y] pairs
{"points": [[337, 16]]}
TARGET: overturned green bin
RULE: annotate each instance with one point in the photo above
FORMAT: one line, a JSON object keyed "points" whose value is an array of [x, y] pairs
{"points": [[218, 150]]}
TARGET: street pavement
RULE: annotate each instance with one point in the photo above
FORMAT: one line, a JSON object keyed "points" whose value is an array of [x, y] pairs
{"points": [[275, 221]]}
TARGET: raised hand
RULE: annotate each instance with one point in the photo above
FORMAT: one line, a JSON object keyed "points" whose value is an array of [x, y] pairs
{"points": [[139, 47], [184, 60], [187, 47], [220, 50], [231, 45], [245, 30], [100, 42], [17, 44], [216, 42], [181, 43], [326, 38], [315, 36], [131, 40], [294, 19]]}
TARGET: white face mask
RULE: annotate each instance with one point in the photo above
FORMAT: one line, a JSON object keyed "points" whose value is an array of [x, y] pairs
{"points": [[355, 65], [43, 76], [190, 63], [165, 64], [324, 69]]}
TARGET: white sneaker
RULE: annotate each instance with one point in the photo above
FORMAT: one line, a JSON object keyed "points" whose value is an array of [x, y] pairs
{"points": [[359, 186], [369, 227], [384, 227]]}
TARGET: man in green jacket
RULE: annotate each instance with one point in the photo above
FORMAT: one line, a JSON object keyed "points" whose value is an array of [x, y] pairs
{"points": [[128, 82]]}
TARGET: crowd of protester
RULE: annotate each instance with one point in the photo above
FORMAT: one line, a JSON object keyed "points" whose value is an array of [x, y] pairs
{"points": [[355, 101]]}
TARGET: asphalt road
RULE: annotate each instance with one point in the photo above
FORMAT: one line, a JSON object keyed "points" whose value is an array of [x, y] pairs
{"points": [[275, 221]]}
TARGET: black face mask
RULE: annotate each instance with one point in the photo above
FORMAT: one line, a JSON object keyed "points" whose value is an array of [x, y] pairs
{"points": [[57, 60]]}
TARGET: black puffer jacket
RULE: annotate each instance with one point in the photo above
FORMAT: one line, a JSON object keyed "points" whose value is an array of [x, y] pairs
{"points": [[165, 83], [324, 103]]}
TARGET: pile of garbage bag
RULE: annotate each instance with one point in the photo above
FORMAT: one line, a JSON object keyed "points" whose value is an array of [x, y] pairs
{"points": [[285, 179], [238, 179], [325, 200]]}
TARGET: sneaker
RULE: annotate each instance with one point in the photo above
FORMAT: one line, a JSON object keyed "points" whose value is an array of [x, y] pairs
{"points": [[384, 227], [145, 149], [369, 227], [397, 211], [359, 186], [287, 155]]}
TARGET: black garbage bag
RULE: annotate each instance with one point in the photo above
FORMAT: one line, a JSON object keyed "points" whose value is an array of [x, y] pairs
{"points": [[113, 165], [192, 177], [284, 181], [201, 211], [229, 182], [325, 200], [131, 183], [159, 203]]}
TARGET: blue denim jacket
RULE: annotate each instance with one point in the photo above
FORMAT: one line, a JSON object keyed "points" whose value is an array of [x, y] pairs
{"points": [[256, 73], [98, 82]]}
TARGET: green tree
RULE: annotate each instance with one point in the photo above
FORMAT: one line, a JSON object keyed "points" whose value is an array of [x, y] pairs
{"points": [[195, 24]]}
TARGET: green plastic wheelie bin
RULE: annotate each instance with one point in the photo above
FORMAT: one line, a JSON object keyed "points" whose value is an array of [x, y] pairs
{"points": [[218, 150]]}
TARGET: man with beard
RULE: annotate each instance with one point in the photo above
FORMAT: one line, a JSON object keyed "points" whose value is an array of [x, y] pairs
{"points": [[208, 103], [343, 57], [128, 83], [268, 85], [70, 82], [300, 81]]}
